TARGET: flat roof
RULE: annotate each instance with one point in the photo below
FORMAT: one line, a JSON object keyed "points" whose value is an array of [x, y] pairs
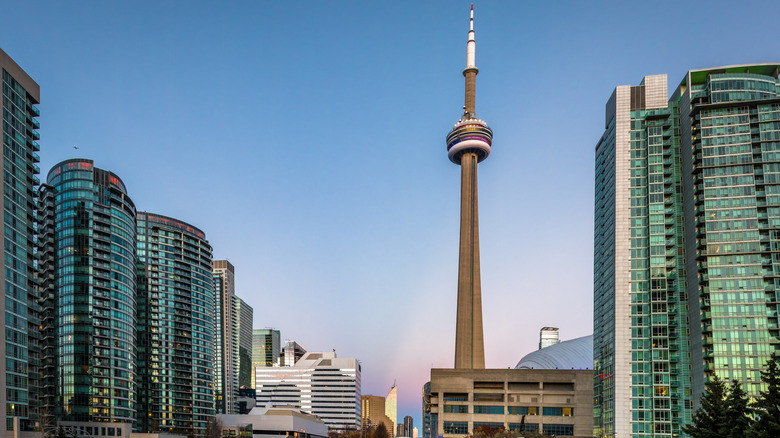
{"points": [[700, 76]]}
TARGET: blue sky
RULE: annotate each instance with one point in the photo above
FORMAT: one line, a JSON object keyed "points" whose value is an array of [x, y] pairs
{"points": [[307, 140]]}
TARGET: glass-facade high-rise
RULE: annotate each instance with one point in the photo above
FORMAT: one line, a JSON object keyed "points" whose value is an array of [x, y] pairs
{"points": [[226, 365], [93, 237], [242, 335], [641, 381], [731, 131], [21, 382], [177, 321], [266, 348], [687, 209]]}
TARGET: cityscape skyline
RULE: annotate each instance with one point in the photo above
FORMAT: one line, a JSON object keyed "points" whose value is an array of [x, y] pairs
{"points": [[299, 197]]}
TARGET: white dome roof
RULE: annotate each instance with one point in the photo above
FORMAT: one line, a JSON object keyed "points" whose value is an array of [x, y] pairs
{"points": [[574, 354]]}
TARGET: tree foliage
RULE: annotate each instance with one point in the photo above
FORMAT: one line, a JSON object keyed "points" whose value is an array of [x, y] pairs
{"points": [[381, 431], [709, 420], [766, 409], [501, 432], [213, 428], [725, 411], [738, 418]]}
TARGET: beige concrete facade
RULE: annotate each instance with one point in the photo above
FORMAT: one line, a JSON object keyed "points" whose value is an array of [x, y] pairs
{"points": [[469, 342], [460, 398], [372, 412]]}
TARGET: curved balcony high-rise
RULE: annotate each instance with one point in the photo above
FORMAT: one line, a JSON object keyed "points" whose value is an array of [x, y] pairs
{"points": [[176, 318], [469, 143], [93, 230]]}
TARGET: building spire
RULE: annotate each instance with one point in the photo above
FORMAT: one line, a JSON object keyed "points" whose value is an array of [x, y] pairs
{"points": [[470, 72], [471, 44]]}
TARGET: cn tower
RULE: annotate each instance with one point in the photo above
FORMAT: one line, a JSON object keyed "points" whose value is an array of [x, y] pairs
{"points": [[468, 144]]}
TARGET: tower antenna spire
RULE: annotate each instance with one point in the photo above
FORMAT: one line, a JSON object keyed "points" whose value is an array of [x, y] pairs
{"points": [[471, 70]]}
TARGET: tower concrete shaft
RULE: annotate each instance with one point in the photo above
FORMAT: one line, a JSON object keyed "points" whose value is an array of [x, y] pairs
{"points": [[468, 144], [469, 341]]}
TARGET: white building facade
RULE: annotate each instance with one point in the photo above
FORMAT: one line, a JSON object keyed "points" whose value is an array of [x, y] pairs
{"points": [[320, 384]]}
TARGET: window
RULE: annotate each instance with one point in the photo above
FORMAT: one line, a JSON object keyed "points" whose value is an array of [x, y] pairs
{"points": [[489, 425], [558, 412], [522, 410], [456, 409], [495, 410], [527, 427], [460, 427], [558, 429]]}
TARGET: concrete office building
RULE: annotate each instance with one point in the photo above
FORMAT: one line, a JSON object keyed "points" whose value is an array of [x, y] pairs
{"points": [[242, 332], [554, 402], [320, 384], [266, 348], [20, 386], [89, 226], [372, 412], [685, 193], [177, 325]]}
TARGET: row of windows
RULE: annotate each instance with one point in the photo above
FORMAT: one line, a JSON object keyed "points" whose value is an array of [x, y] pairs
{"points": [[461, 427], [510, 410]]}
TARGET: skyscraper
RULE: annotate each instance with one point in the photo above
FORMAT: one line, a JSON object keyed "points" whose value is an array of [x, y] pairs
{"points": [[468, 144], [242, 335], [372, 411], [234, 340], [391, 408], [266, 348], [684, 250], [177, 324], [20, 385], [408, 426], [730, 136], [90, 237], [640, 337], [226, 364]]}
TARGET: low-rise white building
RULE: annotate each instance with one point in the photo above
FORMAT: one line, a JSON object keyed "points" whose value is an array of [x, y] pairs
{"points": [[273, 422], [320, 384]]}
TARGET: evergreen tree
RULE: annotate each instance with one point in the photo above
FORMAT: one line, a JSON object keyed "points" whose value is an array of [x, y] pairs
{"points": [[709, 421], [767, 408], [381, 431], [737, 415]]}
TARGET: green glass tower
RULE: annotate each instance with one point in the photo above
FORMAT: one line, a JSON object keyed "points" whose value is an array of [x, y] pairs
{"points": [[90, 230], [687, 224], [20, 384], [640, 337], [731, 131], [177, 326]]}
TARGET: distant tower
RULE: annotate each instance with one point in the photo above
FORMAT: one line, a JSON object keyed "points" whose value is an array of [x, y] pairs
{"points": [[391, 408], [468, 144], [548, 336]]}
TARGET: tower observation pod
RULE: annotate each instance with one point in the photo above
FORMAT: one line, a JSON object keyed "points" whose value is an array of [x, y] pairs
{"points": [[468, 144]]}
